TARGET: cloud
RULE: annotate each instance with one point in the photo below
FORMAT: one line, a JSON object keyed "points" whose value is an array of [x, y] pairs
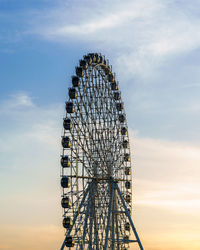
{"points": [[140, 35], [104, 17], [25, 121], [166, 174], [18, 100], [29, 134]]}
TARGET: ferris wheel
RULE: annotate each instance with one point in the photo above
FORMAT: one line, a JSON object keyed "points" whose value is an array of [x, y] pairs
{"points": [[96, 176]]}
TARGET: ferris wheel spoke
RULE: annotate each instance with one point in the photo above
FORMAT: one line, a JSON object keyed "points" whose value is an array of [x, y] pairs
{"points": [[90, 135], [100, 131], [77, 158], [80, 143], [96, 129]]}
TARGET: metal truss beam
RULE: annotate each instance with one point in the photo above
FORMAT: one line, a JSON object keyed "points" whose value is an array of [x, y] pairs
{"points": [[85, 224], [129, 217], [109, 215], [113, 222]]}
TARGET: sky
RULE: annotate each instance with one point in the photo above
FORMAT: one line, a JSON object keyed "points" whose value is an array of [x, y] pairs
{"points": [[154, 47]]}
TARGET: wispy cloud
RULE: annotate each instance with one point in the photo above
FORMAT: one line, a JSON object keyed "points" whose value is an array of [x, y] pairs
{"points": [[166, 174], [145, 32], [140, 35], [25, 127], [15, 101], [108, 15]]}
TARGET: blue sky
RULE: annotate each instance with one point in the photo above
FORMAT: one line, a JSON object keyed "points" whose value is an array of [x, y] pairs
{"points": [[154, 47], [42, 41]]}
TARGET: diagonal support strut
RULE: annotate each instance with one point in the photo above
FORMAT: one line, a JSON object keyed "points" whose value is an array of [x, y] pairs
{"points": [[109, 215], [129, 217]]}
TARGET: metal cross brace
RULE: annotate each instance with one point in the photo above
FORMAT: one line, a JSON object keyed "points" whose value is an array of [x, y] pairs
{"points": [[76, 214]]}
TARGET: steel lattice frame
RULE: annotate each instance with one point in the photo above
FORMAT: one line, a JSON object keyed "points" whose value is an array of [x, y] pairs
{"points": [[99, 157]]}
